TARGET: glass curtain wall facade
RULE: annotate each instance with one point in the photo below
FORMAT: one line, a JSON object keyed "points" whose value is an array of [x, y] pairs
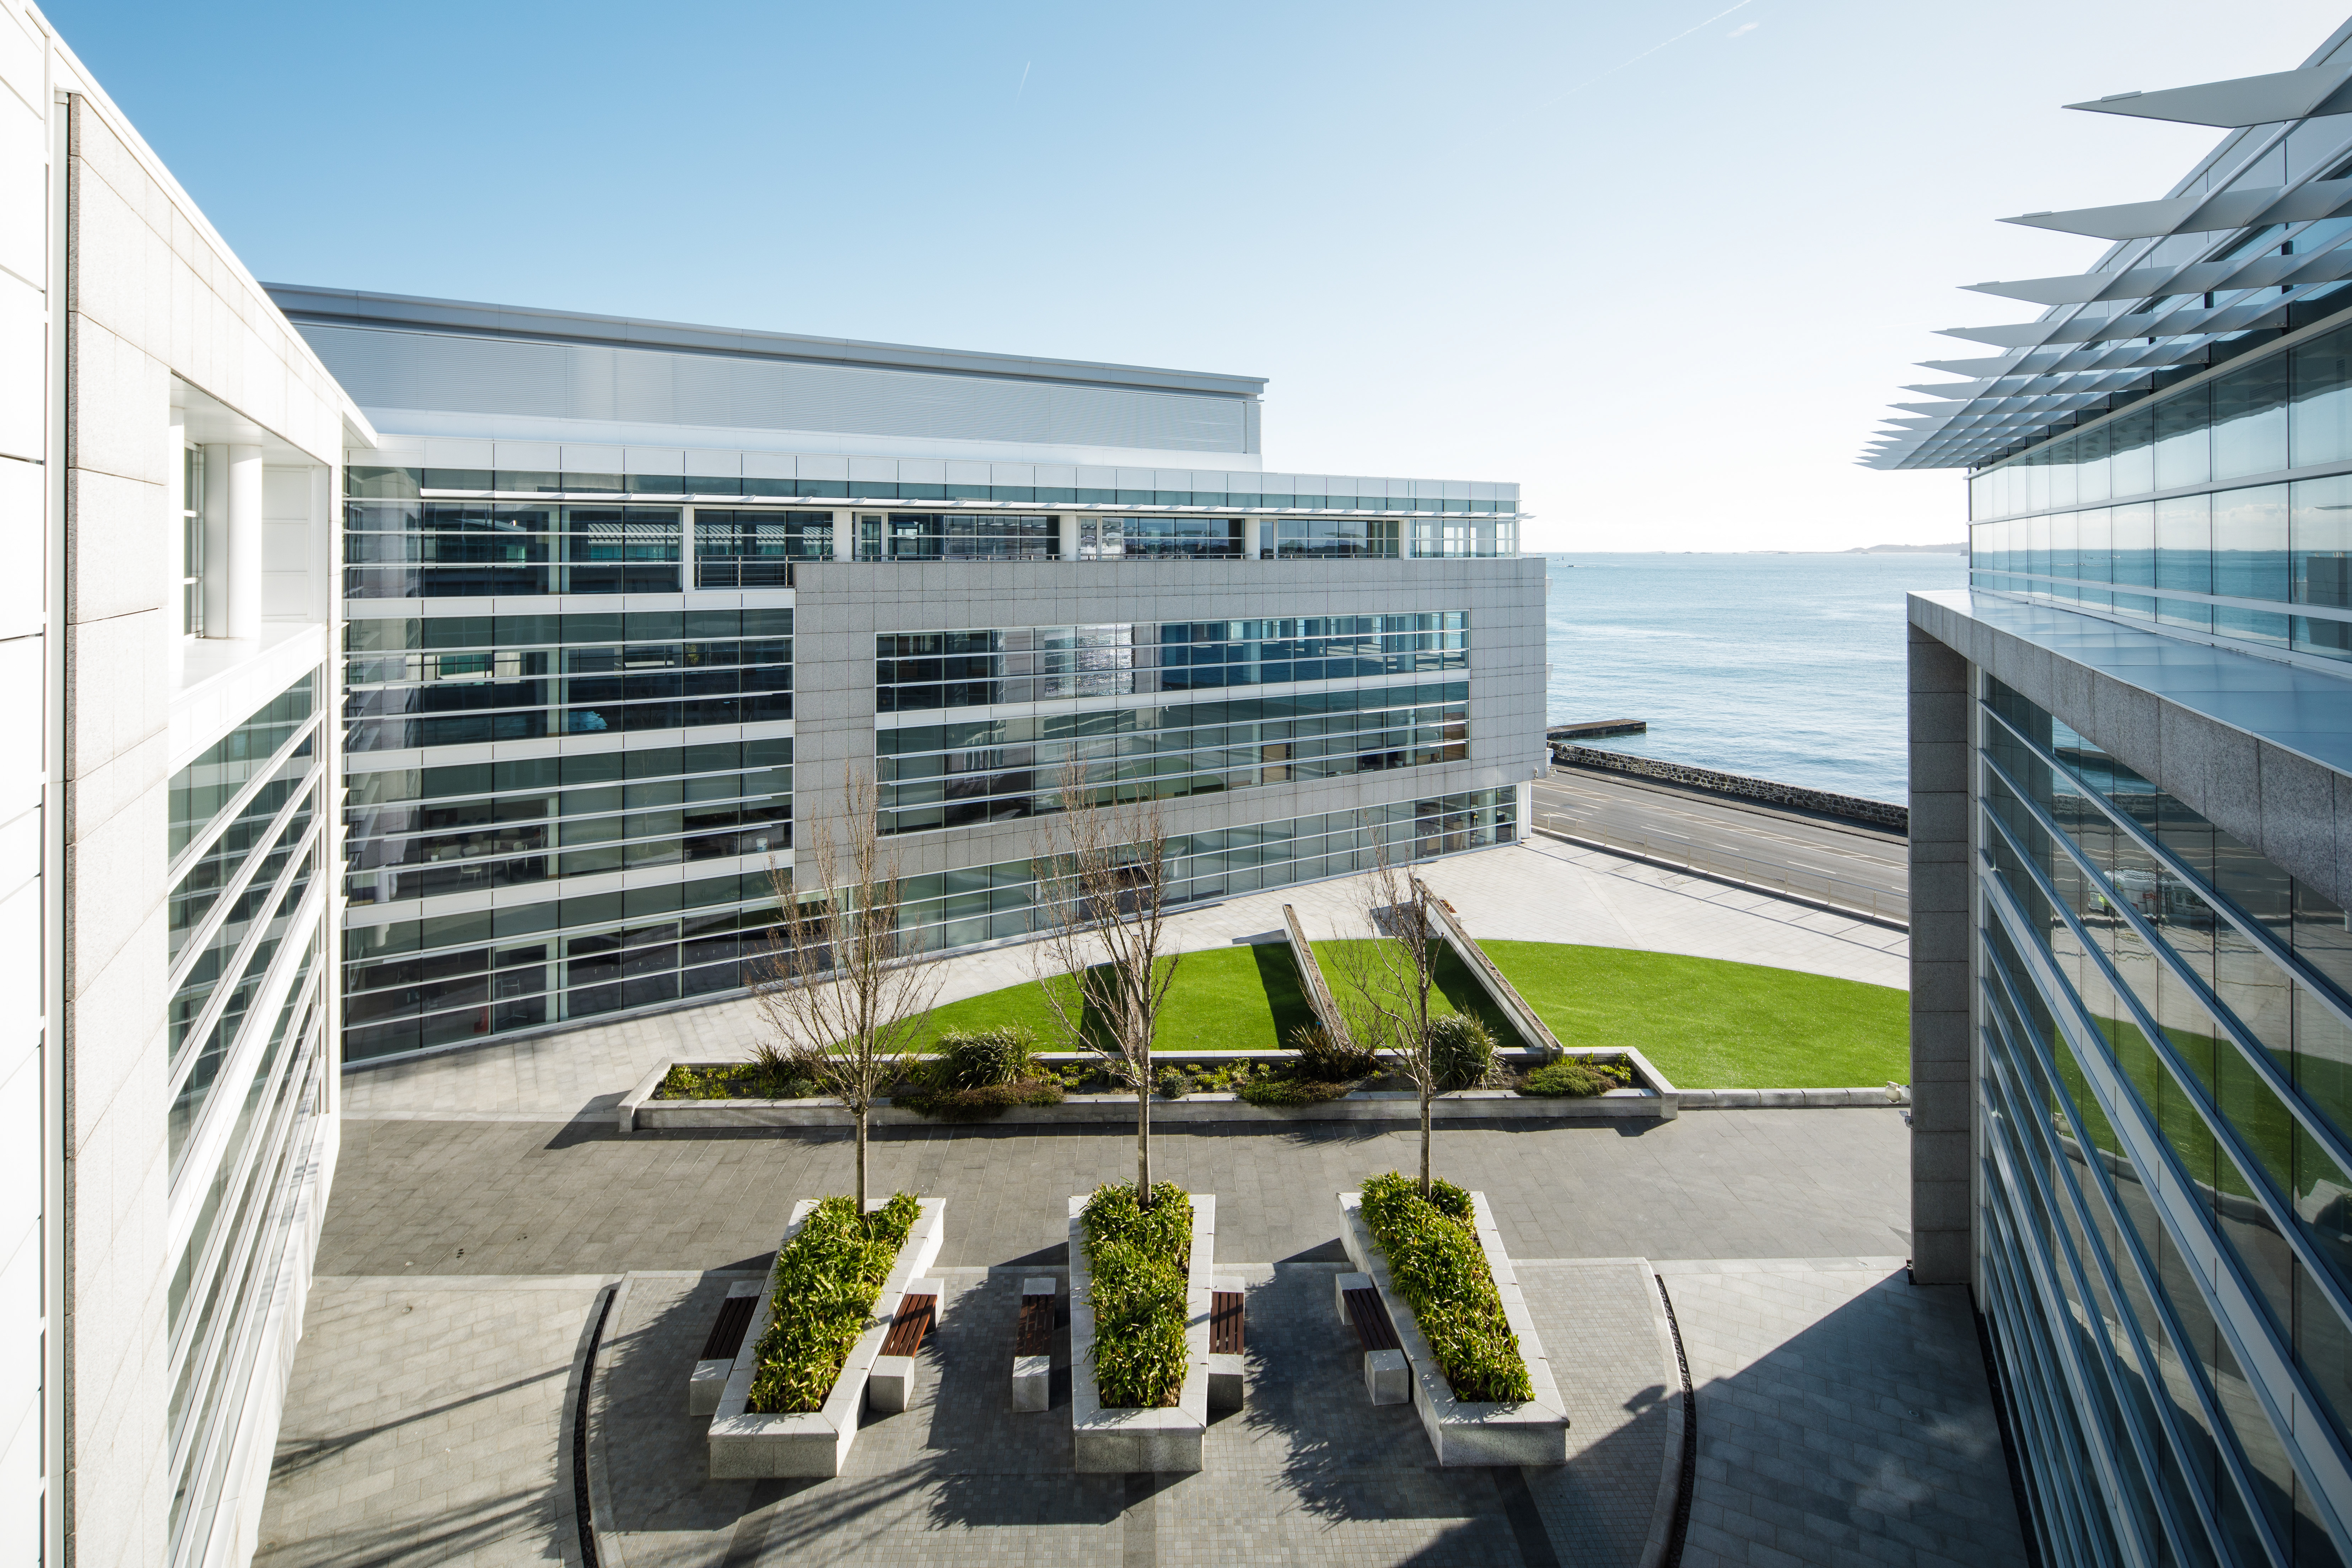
{"points": [[2147, 517], [576, 671], [246, 934], [2168, 1049]]}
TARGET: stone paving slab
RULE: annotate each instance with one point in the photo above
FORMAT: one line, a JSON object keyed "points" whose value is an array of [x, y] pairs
{"points": [[1844, 1419], [517, 1198], [423, 1423], [1310, 1472], [1539, 891]]}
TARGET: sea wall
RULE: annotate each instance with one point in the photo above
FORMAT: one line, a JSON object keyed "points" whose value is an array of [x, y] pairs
{"points": [[1876, 813]]}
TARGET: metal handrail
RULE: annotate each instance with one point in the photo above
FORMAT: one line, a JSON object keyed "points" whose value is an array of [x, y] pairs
{"points": [[1764, 876]]}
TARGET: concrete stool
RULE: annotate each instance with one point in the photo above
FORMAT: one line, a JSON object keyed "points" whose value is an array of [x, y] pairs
{"points": [[891, 1385], [707, 1382], [1032, 1347], [1343, 1283], [1228, 1385], [1387, 1378]]}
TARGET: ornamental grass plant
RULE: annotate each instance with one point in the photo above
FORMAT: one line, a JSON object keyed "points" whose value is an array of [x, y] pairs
{"points": [[821, 1298], [1141, 1260], [1433, 1256]]}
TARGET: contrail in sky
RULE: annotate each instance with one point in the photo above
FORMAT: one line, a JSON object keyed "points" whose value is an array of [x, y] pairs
{"points": [[1025, 65], [1654, 48]]}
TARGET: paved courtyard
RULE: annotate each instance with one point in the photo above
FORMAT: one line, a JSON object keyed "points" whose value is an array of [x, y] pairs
{"points": [[486, 1219], [1310, 1472], [1842, 1413]]}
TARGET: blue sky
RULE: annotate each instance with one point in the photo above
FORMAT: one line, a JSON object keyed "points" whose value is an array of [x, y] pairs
{"points": [[1664, 263]]}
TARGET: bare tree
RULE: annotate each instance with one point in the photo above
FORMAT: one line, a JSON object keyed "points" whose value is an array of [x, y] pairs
{"points": [[842, 987], [1389, 979], [1102, 890]]}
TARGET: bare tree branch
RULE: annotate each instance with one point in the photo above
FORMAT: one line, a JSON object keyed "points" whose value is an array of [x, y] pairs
{"points": [[1102, 893], [842, 988], [1388, 981]]}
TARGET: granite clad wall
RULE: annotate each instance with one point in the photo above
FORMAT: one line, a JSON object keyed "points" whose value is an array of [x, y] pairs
{"points": [[839, 607]]}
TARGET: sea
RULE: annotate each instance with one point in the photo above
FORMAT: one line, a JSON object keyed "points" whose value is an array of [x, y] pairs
{"points": [[1784, 666]]}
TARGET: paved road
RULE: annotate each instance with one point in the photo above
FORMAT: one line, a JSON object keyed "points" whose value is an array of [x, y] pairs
{"points": [[1622, 811]]}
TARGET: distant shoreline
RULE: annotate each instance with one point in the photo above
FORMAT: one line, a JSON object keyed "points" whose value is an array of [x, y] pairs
{"points": [[1955, 549]]}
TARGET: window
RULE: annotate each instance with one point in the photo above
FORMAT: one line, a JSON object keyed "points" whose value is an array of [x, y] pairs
{"points": [[191, 542]]}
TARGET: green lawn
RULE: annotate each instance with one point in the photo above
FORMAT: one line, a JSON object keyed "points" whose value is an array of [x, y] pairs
{"points": [[1709, 1024], [1456, 989], [1224, 999]]}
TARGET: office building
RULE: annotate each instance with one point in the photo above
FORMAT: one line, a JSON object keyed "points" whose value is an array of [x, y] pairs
{"points": [[170, 463], [2131, 850], [624, 598], [502, 721]]}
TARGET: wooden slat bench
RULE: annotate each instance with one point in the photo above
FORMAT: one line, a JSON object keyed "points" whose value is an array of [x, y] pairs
{"points": [[1386, 1376], [708, 1379], [1033, 1345], [1228, 1388], [891, 1385]]}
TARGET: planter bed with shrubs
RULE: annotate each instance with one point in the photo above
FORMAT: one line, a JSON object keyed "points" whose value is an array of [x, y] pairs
{"points": [[1481, 1383], [1139, 1285], [792, 1403], [990, 1077]]}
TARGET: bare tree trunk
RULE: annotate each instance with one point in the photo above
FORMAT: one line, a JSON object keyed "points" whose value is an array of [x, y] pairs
{"points": [[1425, 1188], [862, 1113], [1143, 1147]]}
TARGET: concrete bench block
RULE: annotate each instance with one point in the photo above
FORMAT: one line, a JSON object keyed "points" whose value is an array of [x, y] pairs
{"points": [[1227, 1388], [703, 1388], [1340, 1285], [1032, 1382], [891, 1383], [1386, 1377]]}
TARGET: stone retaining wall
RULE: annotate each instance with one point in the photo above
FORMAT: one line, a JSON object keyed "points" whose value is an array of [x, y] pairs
{"points": [[1876, 813]]}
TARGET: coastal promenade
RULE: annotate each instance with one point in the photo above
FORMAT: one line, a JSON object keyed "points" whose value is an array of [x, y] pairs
{"points": [[1622, 809]]}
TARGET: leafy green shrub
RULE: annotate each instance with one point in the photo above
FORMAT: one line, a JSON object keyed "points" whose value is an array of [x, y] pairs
{"points": [[1329, 1060], [1460, 1051], [1435, 1257], [732, 1080], [981, 1102], [1576, 1077], [1279, 1089], [823, 1289], [983, 1058], [1173, 1082], [1141, 1260]]}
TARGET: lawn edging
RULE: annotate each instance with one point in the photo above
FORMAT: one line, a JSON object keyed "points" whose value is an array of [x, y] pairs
{"points": [[639, 1111], [1529, 1432], [744, 1445], [1107, 1440], [1794, 1099]]}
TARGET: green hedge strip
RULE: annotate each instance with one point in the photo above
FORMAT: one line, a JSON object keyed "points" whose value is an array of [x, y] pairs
{"points": [[1432, 1245], [1141, 1263], [822, 1298]]}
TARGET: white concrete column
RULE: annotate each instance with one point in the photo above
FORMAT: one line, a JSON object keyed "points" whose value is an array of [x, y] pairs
{"points": [[845, 536], [245, 531], [217, 541], [1250, 538], [1066, 530]]}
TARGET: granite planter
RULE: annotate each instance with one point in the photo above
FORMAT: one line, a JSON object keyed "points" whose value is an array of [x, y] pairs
{"points": [[1532, 1432], [1108, 1440], [745, 1444]]}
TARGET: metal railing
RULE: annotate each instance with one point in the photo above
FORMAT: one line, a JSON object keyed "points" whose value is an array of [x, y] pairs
{"points": [[1822, 888]]}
